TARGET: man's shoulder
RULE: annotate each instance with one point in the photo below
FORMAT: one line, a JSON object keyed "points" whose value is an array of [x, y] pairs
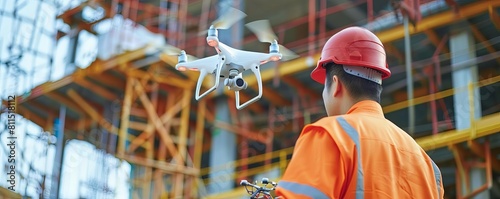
{"points": [[330, 120], [325, 123], [327, 119]]}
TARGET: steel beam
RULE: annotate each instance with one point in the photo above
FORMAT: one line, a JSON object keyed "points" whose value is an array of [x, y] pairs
{"points": [[435, 39], [494, 16], [125, 117], [167, 119], [108, 80], [482, 39], [166, 167], [182, 146], [64, 100], [108, 95], [391, 50], [485, 126], [479, 150], [157, 122], [92, 112]]}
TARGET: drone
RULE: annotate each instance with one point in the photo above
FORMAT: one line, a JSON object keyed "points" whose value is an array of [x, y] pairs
{"points": [[229, 63]]}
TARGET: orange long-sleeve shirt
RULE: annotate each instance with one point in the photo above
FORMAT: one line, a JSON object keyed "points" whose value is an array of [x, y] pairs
{"points": [[359, 155]]}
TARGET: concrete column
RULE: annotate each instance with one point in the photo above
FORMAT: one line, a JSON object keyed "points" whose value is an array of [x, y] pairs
{"points": [[462, 49], [224, 146], [59, 156], [72, 51]]}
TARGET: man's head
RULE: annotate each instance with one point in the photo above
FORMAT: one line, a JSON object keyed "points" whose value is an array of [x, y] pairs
{"points": [[352, 66], [341, 89]]}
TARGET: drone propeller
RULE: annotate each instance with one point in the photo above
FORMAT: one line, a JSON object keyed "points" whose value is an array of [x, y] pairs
{"points": [[174, 51], [226, 20], [231, 16], [262, 29], [170, 50]]}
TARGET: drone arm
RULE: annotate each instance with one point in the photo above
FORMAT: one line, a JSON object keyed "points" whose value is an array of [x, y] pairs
{"points": [[255, 71], [203, 73]]}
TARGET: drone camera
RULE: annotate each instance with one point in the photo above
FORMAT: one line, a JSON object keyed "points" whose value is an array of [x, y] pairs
{"points": [[236, 83]]}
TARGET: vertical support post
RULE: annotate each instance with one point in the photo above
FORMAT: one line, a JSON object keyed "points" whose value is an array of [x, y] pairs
{"points": [[269, 136], [59, 156], [245, 123], [432, 90], [182, 20], [283, 162], [183, 133], [198, 139], [466, 110], [409, 78], [127, 103], [205, 11], [173, 24], [462, 49], [71, 66], [146, 182], [312, 25], [369, 5], [322, 22]]}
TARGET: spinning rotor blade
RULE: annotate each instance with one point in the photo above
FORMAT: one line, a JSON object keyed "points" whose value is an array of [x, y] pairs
{"points": [[174, 51], [264, 32], [170, 50], [262, 29], [287, 53], [227, 19]]}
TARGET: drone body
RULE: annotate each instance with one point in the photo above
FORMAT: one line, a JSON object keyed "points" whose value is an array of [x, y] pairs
{"points": [[229, 63]]}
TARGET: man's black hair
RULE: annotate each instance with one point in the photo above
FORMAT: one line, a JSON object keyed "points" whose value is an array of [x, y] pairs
{"points": [[357, 87]]}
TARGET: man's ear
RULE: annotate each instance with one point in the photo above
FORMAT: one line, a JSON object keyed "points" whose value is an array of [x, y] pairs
{"points": [[336, 86]]}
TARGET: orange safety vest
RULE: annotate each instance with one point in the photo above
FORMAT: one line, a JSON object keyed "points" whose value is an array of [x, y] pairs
{"points": [[359, 155]]}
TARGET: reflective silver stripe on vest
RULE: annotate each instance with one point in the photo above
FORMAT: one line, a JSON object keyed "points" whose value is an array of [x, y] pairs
{"points": [[360, 191], [302, 189], [437, 175]]}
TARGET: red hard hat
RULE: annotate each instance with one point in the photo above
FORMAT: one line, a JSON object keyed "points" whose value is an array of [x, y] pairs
{"points": [[353, 46]]}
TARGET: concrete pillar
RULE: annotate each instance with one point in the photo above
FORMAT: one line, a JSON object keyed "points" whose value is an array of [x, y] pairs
{"points": [[72, 51], [462, 49], [58, 158], [224, 146]]}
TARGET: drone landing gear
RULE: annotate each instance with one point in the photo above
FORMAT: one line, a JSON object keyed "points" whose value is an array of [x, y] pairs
{"points": [[203, 73], [256, 72]]}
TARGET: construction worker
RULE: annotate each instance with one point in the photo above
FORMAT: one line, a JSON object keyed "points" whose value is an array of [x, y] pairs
{"points": [[356, 152]]}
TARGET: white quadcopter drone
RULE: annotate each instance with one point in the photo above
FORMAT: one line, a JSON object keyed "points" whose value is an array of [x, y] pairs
{"points": [[229, 63]]}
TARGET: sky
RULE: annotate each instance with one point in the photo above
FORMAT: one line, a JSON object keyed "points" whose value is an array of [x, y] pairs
{"points": [[84, 166]]}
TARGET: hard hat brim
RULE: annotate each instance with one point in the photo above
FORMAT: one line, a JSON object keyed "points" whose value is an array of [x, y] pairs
{"points": [[319, 73]]}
